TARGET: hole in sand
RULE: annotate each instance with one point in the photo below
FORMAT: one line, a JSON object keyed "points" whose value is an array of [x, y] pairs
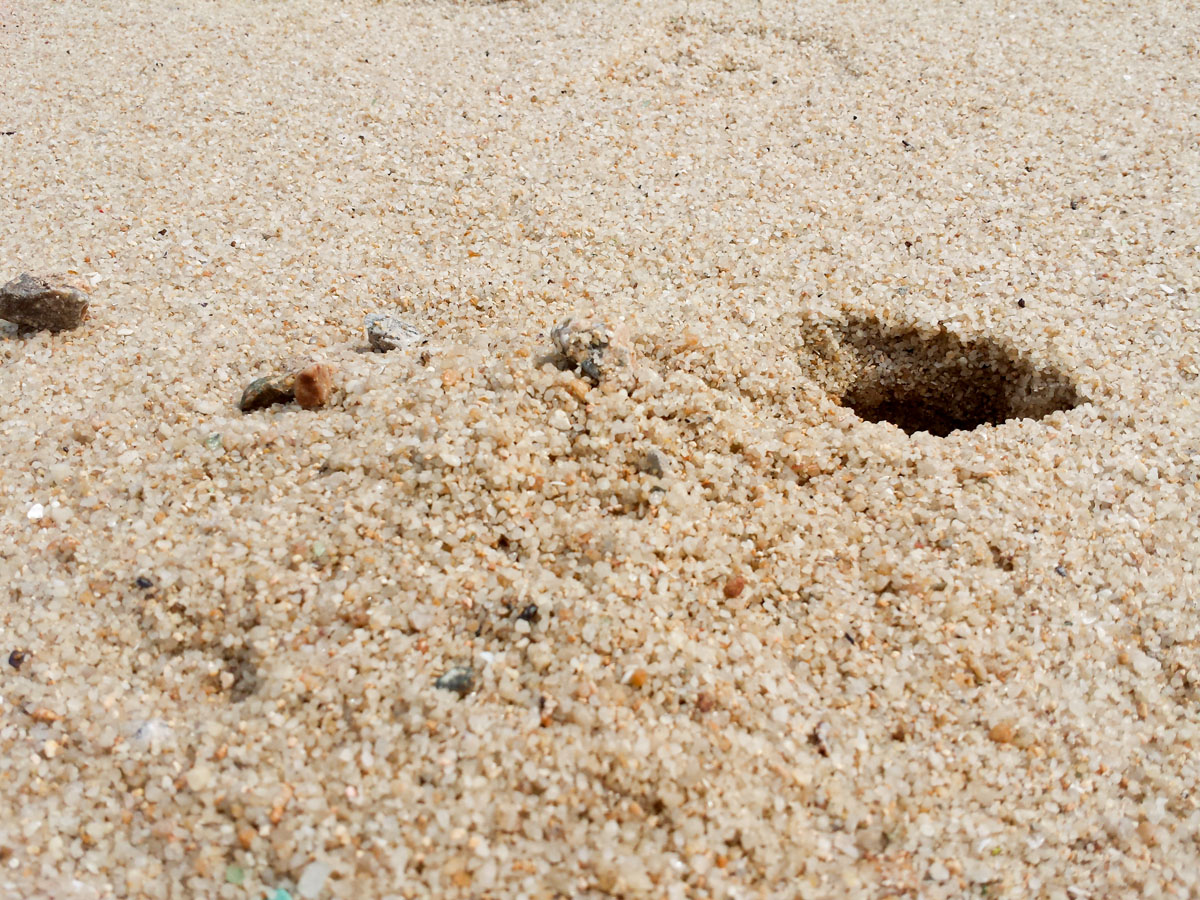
{"points": [[932, 380]]}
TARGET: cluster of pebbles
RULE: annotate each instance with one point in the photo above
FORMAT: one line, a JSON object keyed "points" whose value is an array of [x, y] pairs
{"points": [[767, 466]]}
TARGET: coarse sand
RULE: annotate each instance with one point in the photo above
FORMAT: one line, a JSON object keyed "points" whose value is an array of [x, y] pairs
{"points": [[841, 545]]}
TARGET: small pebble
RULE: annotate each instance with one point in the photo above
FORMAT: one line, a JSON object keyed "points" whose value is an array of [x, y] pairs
{"points": [[819, 738], [17, 658], [460, 679], [144, 583], [734, 587], [234, 874], [389, 333], [313, 384], [653, 463], [590, 346], [1001, 733], [47, 302], [267, 391]]}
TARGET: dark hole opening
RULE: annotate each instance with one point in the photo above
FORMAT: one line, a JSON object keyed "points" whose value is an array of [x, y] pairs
{"points": [[937, 382]]}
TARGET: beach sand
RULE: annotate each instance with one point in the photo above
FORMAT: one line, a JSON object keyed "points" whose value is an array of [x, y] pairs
{"points": [[851, 553]]}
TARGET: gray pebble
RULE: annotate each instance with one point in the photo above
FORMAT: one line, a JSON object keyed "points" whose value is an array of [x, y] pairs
{"points": [[389, 333], [460, 679], [653, 463], [267, 391]]}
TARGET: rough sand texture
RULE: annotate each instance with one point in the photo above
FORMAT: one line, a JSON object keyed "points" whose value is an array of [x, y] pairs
{"points": [[726, 638]]}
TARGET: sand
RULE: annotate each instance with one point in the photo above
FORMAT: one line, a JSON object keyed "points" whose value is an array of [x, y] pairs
{"points": [[683, 612]]}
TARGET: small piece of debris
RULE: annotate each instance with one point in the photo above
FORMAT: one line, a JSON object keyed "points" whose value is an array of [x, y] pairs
{"points": [[460, 679], [144, 583], [819, 738], [45, 302], [591, 347], [653, 463], [389, 333], [267, 391], [529, 613], [17, 658], [1001, 733], [312, 385]]}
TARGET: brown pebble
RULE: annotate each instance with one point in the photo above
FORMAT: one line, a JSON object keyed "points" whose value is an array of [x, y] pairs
{"points": [[638, 678], [313, 385], [704, 702], [42, 714], [1001, 733], [246, 837], [45, 302], [734, 587]]}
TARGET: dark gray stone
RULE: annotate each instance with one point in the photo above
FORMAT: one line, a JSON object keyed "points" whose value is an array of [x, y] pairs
{"points": [[460, 679], [267, 391], [653, 463]]}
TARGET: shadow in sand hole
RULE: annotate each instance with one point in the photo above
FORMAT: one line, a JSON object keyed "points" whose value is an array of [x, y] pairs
{"points": [[937, 382]]}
